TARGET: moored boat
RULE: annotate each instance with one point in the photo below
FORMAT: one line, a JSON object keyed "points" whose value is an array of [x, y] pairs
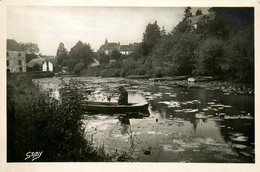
{"points": [[203, 78], [171, 78], [138, 76], [113, 108]]}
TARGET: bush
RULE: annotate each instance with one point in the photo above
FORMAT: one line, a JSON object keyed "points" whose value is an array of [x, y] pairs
{"points": [[78, 68], [38, 122]]}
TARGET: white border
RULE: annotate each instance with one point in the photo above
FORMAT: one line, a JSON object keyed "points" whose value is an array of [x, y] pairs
{"points": [[38, 167]]}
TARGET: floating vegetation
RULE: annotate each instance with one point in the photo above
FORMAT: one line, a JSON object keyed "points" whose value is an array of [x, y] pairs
{"points": [[227, 106], [171, 104], [239, 138], [178, 110], [165, 102], [191, 102], [200, 116], [217, 105], [190, 110], [158, 95], [173, 95], [238, 117]]}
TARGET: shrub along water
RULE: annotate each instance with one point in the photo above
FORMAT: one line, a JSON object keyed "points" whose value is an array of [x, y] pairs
{"points": [[38, 122]]}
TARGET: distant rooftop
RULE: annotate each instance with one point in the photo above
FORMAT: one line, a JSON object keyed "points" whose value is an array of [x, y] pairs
{"points": [[38, 61], [126, 48], [201, 18], [12, 45]]}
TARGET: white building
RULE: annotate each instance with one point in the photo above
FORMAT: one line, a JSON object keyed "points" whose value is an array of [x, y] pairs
{"points": [[40, 64]]}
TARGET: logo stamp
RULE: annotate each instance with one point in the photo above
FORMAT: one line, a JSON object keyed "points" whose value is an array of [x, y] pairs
{"points": [[33, 155]]}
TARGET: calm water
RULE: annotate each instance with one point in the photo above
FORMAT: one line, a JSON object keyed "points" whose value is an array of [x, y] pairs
{"points": [[185, 125]]}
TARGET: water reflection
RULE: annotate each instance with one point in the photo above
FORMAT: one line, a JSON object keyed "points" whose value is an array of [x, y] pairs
{"points": [[193, 120], [125, 123]]}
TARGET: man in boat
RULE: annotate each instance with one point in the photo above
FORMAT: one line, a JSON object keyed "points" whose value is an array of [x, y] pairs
{"points": [[123, 98]]}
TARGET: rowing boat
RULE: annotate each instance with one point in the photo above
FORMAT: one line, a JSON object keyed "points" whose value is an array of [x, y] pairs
{"points": [[113, 108]]}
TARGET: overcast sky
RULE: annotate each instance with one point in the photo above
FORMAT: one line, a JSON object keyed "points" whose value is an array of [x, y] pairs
{"points": [[48, 26]]}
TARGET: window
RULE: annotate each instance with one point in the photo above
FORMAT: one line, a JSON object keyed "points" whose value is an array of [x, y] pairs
{"points": [[7, 54], [20, 69], [20, 62], [7, 63], [19, 54]]}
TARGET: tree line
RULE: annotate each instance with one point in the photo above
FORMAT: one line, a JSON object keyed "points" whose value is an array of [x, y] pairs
{"points": [[222, 45]]}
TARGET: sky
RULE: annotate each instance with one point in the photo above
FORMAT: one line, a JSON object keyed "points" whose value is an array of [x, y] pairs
{"points": [[47, 26]]}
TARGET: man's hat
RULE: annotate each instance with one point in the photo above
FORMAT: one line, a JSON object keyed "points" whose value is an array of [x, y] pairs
{"points": [[121, 87]]}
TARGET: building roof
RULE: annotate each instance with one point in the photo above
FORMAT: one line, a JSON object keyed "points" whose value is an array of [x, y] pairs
{"points": [[201, 18], [29, 57], [12, 45], [38, 61], [112, 45], [196, 19], [126, 48], [95, 63]]}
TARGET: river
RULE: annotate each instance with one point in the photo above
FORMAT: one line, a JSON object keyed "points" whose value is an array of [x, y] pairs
{"points": [[186, 124]]}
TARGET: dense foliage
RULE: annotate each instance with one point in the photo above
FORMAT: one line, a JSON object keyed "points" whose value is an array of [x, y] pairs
{"points": [[38, 122], [31, 48], [221, 46]]}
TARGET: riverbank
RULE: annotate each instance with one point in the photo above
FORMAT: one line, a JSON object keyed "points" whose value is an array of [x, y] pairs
{"points": [[224, 86]]}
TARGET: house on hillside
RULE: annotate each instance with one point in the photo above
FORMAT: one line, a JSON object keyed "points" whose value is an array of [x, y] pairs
{"points": [[194, 21], [108, 47], [15, 57], [40, 64]]}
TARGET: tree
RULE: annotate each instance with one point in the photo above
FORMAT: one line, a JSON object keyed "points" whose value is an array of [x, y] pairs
{"points": [[31, 48], [236, 19], [210, 57], [239, 53], [187, 14], [62, 53], [184, 25], [104, 59], [115, 54], [82, 52], [151, 37], [78, 68], [61, 50], [198, 12]]}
